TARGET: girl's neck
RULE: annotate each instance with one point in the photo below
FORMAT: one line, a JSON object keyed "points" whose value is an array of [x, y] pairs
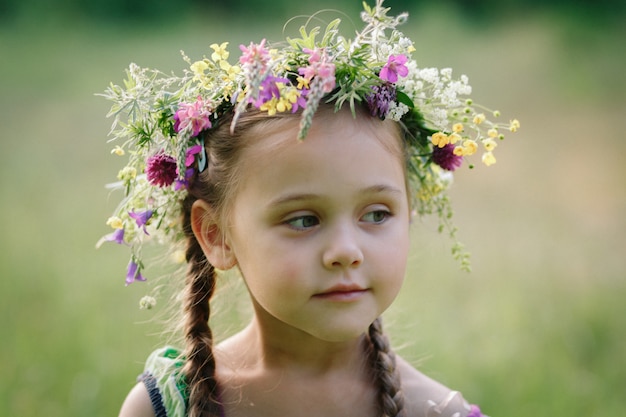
{"points": [[266, 373], [266, 348]]}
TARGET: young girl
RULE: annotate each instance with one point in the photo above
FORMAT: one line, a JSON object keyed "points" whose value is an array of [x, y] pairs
{"points": [[301, 167]]}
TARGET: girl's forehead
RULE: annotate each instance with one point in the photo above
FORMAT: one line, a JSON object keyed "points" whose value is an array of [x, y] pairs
{"points": [[276, 135], [339, 153]]}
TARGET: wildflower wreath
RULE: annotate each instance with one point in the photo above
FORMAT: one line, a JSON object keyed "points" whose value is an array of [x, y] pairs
{"points": [[158, 119]]}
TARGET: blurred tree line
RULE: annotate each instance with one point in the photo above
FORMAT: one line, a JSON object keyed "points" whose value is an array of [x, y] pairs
{"points": [[138, 11]]}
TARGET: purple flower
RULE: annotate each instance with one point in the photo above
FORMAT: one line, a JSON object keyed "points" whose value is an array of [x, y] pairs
{"points": [[116, 236], [181, 183], [475, 411], [394, 67], [195, 115], [161, 169], [134, 273], [191, 151], [300, 101], [378, 101], [141, 218], [269, 89], [445, 157]]}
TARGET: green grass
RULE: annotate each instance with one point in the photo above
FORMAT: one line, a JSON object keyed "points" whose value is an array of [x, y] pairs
{"points": [[537, 329]]}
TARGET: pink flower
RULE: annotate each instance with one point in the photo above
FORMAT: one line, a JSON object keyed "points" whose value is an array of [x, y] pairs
{"points": [[319, 68], [394, 67], [195, 115], [254, 53]]}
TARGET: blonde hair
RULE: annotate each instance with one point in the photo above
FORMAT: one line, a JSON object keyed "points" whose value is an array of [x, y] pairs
{"points": [[217, 186]]}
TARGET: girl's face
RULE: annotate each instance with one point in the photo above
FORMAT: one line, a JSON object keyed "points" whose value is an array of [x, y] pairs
{"points": [[320, 228]]}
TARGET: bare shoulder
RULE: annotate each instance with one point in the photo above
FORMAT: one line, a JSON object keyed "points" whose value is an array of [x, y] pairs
{"points": [[425, 397], [137, 403]]}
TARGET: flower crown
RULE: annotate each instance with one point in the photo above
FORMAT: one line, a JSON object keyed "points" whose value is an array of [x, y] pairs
{"points": [[158, 118]]}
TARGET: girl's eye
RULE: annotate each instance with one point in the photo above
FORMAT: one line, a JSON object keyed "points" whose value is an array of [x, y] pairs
{"points": [[376, 216], [303, 222]]}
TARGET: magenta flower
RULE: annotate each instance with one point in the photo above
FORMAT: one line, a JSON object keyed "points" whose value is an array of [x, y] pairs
{"points": [[133, 273], [394, 67], [194, 116], [379, 99], [161, 169], [445, 157], [141, 218]]}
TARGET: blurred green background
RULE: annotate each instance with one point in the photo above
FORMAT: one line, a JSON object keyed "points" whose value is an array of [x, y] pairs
{"points": [[538, 328]]}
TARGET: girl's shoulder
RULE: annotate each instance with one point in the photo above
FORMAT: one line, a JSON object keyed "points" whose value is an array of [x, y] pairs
{"points": [[162, 390], [425, 397]]}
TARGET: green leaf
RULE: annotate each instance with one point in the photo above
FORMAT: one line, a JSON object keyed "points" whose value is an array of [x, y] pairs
{"points": [[404, 99]]}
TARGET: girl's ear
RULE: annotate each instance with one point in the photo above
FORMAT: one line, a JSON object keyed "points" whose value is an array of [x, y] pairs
{"points": [[210, 236]]}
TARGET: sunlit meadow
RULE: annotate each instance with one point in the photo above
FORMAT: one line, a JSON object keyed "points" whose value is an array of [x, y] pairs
{"points": [[538, 328]]}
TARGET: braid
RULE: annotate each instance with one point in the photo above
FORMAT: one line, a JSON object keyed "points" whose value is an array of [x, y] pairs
{"points": [[199, 367], [384, 364]]}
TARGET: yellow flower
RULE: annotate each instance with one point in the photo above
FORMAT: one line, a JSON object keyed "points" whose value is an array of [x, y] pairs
{"points": [[178, 256], [479, 118], [220, 52], [291, 95], [302, 83], [199, 67], [269, 106], [489, 144], [459, 151], [492, 133], [127, 174], [469, 147], [489, 159], [115, 222], [514, 125], [457, 127], [283, 105], [440, 139], [231, 70], [118, 151], [454, 138]]}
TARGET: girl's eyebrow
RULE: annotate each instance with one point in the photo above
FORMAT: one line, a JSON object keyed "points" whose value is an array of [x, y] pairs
{"points": [[296, 197]]}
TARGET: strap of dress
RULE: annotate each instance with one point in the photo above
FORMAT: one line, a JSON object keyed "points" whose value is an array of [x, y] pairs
{"points": [[154, 393]]}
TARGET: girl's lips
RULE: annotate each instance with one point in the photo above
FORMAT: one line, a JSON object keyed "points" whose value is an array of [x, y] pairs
{"points": [[342, 293]]}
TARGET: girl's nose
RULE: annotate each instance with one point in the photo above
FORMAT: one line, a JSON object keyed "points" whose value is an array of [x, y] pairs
{"points": [[343, 250]]}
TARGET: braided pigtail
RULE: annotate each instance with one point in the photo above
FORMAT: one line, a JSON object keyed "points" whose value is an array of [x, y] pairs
{"points": [[199, 367], [384, 365]]}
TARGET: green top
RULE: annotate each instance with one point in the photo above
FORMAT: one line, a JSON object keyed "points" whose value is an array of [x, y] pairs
{"points": [[165, 365]]}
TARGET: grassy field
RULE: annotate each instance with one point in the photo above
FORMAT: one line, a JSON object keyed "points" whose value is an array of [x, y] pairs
{"points": [[537, 329]]}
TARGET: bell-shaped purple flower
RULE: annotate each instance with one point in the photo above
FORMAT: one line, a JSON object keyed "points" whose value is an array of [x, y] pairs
{"points": [[134, 273], [116, 236], [141, 218]]}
